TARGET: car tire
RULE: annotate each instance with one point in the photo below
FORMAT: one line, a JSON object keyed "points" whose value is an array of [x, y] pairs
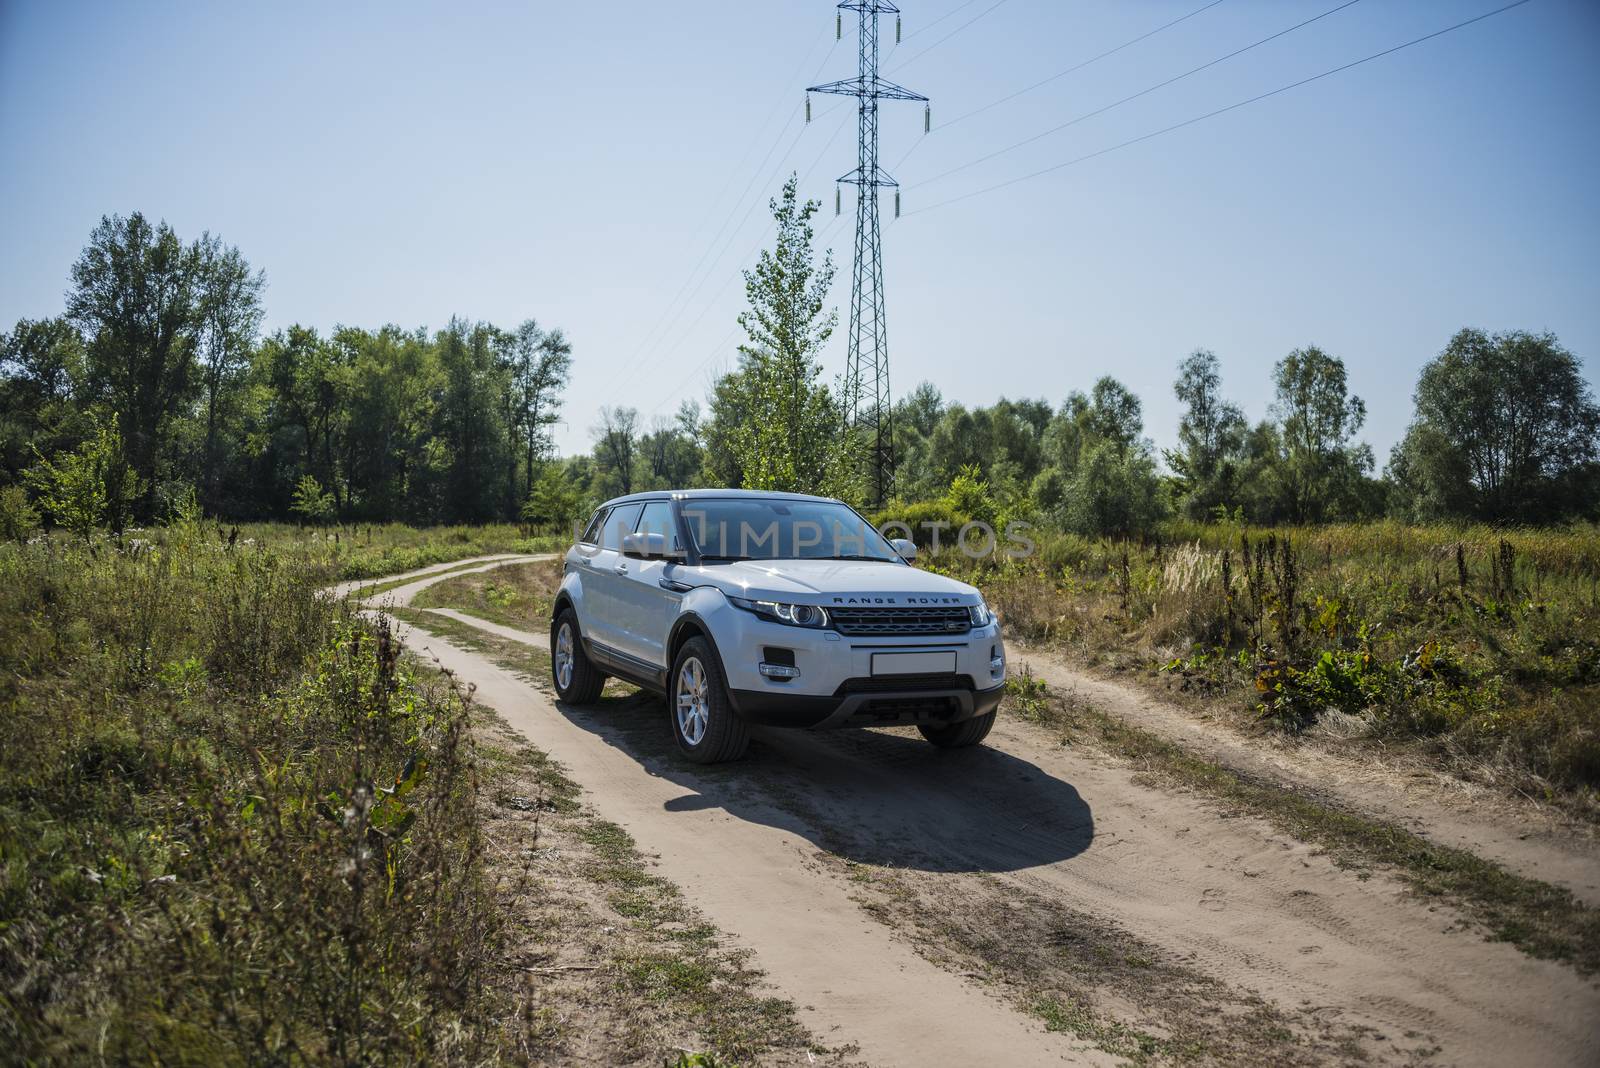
{"points": [[959, 735], [707, 729], [577, 680]]}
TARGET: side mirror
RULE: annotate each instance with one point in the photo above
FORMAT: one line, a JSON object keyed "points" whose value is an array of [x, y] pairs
{"points": [[905, 548], [649, 546]]}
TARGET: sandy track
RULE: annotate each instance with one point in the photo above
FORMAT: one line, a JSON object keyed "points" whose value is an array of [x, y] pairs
{"points": [[1530, 839], [1239, 901]]}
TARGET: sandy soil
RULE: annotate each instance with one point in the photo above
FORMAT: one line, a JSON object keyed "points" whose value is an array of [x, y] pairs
{"points": [[1529, 838], [1025, 817]]}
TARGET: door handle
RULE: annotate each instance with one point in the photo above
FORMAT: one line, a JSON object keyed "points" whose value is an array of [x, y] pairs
{"points": [[621, 569]]}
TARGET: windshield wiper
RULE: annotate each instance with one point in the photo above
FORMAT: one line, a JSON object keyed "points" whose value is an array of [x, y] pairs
{"points": [[874, 559]]}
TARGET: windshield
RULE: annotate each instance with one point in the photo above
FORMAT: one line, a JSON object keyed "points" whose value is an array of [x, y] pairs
{"points": [[760, 529]]}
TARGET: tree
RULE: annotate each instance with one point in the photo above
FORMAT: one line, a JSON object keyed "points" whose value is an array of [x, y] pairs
{"points": [[90, 486], [41, 382], [730, 408], [470, 421], [1321, 467], [539, 364], [389, 456], [1101, 477], [1211, 437], [136, 296], [555, 500], [311, 503], [312, 390], [671, 457], [230, 314], [796, 439], [1505, 430], [616, 448], [1114, 490]]}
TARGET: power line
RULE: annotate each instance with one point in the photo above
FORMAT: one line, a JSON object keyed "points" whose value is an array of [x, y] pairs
{"points": [[663, 323], [1135, 96], [1079, 66], [1057, 76], [1223, 110], [946, 37], [924, 29], [721, 346], [657, 356]]}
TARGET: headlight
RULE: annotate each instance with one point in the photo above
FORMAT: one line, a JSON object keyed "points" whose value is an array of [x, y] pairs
{"points": [[981, 616], [795, 615]]}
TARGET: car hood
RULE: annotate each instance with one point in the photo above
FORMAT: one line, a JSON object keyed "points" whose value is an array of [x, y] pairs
{"points": [[830, 582]]}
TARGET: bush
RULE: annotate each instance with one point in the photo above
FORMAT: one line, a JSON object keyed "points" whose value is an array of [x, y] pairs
{"points": [[927, 520], [18, 520]]}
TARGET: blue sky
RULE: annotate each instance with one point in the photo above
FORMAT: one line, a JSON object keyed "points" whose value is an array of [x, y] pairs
{"points": [[595, 166]]}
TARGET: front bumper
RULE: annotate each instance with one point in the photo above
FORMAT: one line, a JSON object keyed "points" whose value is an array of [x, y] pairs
{"points": [[839, 682], [871, 702]]}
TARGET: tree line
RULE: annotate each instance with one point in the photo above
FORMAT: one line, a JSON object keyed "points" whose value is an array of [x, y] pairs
{"points": [[156, 375], [155, 386]]}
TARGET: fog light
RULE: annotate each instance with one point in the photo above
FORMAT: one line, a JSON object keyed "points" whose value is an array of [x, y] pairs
{"points": [[779, 671], [997, 660]]}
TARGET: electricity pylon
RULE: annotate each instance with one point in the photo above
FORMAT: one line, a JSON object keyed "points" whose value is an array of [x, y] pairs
{"points": [[867, 361]]}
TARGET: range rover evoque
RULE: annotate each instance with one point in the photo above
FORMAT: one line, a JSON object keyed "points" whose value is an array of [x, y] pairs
{"points": [[781, 609]]}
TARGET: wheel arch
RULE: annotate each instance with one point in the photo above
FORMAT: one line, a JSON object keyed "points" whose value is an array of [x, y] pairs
{"points": [[691, 625], [564, 601]]}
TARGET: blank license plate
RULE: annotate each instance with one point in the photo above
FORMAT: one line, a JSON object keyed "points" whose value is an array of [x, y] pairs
{"points": [[940, 663]]}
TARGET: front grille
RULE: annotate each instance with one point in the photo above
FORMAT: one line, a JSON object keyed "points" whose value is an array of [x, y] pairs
{"points": [[881, 620]]}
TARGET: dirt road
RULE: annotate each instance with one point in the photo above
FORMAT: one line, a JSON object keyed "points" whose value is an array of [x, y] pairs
{"points": [[1353, 966]]}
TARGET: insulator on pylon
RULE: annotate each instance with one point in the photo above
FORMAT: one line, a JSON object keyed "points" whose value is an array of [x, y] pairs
{"points": [[927, 117], [808, 107], [897, 203], [838, 200], [897, 29], [838, 25]]}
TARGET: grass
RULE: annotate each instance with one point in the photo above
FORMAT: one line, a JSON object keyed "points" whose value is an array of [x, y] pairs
{"points": [[365, 550], [518, 596], [235, 825], [1540, 919], [1477, 647]]}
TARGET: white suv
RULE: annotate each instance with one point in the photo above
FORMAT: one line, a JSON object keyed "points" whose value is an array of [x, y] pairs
{"points": [[771, 608]]}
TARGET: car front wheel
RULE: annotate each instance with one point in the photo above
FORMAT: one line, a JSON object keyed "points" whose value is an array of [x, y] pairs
{"points": [[577, 680], [704, 723]]}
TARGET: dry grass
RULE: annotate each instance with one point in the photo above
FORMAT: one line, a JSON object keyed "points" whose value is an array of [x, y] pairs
{"points": [[1479, 647]]}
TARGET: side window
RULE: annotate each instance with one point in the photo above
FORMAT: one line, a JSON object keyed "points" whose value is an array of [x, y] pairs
{"points": [[619, 522], [591, 533], [657, 519]]}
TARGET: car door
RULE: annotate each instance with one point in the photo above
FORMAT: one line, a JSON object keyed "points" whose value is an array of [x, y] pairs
{"points": [[647, 607], [603, 572]]}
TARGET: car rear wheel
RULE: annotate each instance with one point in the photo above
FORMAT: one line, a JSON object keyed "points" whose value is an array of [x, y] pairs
{"points": [[577, 680], [959, 735], [704, 723]]}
